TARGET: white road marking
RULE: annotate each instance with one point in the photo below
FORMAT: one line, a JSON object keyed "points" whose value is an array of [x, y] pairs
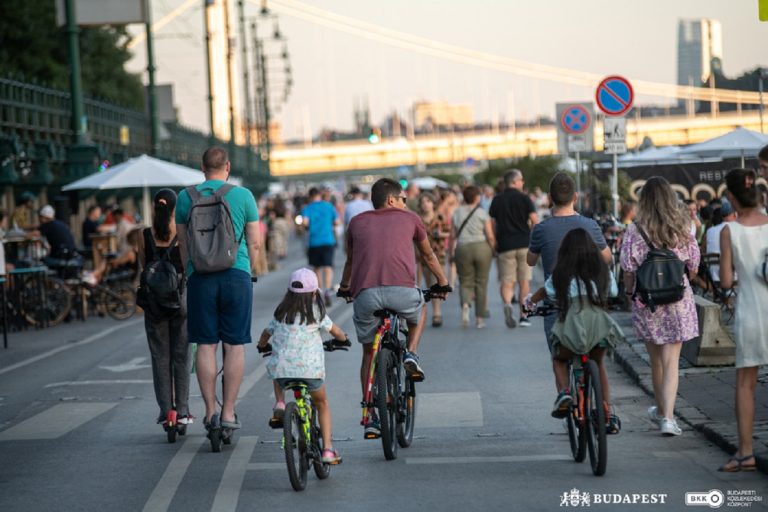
{"points": [[250, 380], [97, 382], [84, 341], [485, 460], [232, 480], [56, 421], [133, 364], [440, 410], [165, 490]]}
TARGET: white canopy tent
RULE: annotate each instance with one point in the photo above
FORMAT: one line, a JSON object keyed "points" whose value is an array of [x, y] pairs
{"points": [[141, 172], [740, 143]]}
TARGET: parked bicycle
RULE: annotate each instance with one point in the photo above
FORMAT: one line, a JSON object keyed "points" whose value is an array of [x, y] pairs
{"points": [[587, 416], [302, 439]]}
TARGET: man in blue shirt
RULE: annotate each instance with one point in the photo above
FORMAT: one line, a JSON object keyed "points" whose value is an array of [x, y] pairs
{"points": [[219, 304], [320, 218]]}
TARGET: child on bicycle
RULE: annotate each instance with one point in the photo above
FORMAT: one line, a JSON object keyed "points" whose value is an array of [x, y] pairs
{"points": [[297, 350], [579, 287]]}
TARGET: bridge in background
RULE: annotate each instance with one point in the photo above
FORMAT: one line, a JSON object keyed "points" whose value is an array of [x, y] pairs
{"points": [[360, 156]]}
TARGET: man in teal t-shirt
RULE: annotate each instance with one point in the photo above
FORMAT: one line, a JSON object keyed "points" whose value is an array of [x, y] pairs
{"points": [[219, 304], [320, 217]]}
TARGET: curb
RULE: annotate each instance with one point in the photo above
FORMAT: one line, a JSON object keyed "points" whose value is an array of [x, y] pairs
{"points": [[640, 372]]}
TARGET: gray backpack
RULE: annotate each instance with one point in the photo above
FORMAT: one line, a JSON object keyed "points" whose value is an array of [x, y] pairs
{"points": [[211, 236]]}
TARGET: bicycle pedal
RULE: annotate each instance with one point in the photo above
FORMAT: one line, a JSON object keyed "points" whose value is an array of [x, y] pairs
{"points": [[275, 423], [371, 436]]}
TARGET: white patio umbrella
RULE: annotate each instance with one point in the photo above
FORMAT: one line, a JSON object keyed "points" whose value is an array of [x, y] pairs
{"points": [[141, 172], [739, 143], [429, 183]]}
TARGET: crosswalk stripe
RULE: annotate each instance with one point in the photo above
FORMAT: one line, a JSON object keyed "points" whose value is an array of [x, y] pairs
{"points": [[485, 460], [165, 490], [232, 480], [56, 421]]}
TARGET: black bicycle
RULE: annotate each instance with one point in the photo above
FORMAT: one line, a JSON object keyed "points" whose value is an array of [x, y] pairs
{"points": [[388, 389], [587, 416]]}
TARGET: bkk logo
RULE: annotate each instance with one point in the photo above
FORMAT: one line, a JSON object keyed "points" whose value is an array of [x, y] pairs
{"points": [[576, 498]]}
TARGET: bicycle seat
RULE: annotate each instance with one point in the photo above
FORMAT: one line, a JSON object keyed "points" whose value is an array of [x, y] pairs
{"points": [[296, 384], [384, 313]]}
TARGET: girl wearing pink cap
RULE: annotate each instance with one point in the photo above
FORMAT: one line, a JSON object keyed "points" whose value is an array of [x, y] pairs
{"points": [[297, 350]]}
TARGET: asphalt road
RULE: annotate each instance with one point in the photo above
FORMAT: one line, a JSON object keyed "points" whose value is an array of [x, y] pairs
{"points": [[77, 431]]}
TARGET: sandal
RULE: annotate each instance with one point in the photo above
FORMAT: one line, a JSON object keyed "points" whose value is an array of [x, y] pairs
{"points": [[232, 425], [739, 466], [330, 456], [613, 425], [276, 421]]}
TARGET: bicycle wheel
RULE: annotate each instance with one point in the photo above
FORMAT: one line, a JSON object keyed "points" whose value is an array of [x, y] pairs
{"points": [[295, 447], [54, 309], [120, 301], [386, 402], [595, 420], [322, 470], [405, 426], [577, 435]]}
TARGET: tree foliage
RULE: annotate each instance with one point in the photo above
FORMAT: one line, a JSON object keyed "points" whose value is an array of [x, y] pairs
{"points": [[33, 48], [537, 171]]}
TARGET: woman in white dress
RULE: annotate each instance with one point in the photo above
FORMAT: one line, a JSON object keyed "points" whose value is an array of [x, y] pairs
{"points": [[743, 248]]}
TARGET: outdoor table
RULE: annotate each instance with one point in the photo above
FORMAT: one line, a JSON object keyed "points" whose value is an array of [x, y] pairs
{"points": [[103, 244], [24, 248]]}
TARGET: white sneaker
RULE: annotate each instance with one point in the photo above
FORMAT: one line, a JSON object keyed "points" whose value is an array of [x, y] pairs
{"points": [[653, 414], [465, 315], [669, 427]]}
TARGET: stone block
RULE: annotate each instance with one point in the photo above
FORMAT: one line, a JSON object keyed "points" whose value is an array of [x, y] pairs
{"points": [[714, 346]]}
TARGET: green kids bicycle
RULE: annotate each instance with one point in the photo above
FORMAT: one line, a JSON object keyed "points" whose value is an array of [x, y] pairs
{"points": [[302, 439]]}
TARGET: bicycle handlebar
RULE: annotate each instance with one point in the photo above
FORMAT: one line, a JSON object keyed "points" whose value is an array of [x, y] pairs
{"points": [[434, 292], [328, 345]]}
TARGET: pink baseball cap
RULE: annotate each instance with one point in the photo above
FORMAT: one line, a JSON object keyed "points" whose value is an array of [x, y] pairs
{"points": [[303, 281]]}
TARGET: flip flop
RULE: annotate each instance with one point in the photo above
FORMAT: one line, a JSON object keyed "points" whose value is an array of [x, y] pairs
{"points": [[739, 466]]}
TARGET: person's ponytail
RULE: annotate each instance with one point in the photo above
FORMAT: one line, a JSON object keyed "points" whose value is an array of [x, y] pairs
{"points": [[164, 204]]}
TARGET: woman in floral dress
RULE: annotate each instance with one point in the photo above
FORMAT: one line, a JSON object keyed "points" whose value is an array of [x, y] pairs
{"points": [[662, 218], [438, 231]]}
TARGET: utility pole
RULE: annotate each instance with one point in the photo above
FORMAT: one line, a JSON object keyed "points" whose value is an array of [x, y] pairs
{"points": [[154, 123], [265, 108], [79, 121], [212, 128], [760, 75], [230, 82], [246, 91]]}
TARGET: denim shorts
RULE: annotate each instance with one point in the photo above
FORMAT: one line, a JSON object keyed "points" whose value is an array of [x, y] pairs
{"points": [[219, 307], [406, 301], [312, 384]]}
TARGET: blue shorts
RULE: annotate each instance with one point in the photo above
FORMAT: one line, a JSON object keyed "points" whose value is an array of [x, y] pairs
{"points": [[219, 307], [312, 384], [321, 256]]}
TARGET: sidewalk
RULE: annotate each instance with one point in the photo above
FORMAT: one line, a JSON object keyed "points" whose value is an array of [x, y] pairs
{"points": [[705, 395]]}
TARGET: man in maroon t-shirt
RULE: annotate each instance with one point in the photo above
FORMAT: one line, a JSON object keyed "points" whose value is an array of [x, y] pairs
{"points": [[380, 273]]}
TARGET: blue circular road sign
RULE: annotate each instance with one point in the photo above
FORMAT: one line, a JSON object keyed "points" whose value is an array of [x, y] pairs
{"points": [[575, 119], [614, 95]]}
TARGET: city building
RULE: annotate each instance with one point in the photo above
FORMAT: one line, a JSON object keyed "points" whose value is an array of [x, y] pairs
{"points": [[699, 42], [433, 115]]}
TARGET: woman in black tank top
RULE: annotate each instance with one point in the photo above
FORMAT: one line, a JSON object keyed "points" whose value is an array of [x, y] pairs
{"points": [[167, 329]]}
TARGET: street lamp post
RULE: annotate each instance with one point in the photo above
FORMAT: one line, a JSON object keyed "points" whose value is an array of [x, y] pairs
{"points": [[212, 124], [246, 90], [154, 123], [79, 121]]}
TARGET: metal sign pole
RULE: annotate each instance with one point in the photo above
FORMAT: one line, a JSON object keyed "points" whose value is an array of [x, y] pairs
{"points": [[578, 179], [615, 185]]}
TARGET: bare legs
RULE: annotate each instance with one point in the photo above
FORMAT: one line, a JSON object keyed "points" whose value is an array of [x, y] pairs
{"points": [[234, 367], [664, 373], [320, 399]]}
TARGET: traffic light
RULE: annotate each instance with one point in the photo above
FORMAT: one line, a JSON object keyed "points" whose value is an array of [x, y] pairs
{"points": [[375, 136]]}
